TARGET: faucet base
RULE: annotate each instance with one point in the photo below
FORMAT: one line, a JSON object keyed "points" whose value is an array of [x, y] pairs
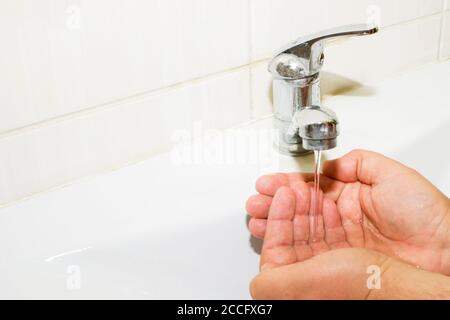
{"points": [[293, 150], [287, 141], [319, 145]]}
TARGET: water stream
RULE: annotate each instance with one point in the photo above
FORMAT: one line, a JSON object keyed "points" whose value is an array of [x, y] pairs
{"points": [[315, 198]]}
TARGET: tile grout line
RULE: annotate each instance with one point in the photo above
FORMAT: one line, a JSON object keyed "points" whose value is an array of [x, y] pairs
{"points": [[250, 57], [441, 36], [413, 20], [118, 102], [266, 56], [161, 90], [114, 167], [139, 159], [109, 105]]}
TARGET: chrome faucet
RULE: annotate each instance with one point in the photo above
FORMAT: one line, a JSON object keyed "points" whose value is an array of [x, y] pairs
{"points": [[304, 125]]}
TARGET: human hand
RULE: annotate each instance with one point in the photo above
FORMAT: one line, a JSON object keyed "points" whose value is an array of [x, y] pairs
{"points": [[369, 201], [336, 274]]}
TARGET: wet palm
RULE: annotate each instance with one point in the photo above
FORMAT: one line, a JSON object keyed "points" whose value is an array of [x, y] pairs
{"points": [[369, 202]]}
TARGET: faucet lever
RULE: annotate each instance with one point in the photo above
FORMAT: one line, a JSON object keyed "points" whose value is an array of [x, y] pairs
{"points": [[304, 57], [339, 32]]}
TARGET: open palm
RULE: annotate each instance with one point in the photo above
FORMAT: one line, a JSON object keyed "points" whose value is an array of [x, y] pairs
{"points": [[368, 201]]}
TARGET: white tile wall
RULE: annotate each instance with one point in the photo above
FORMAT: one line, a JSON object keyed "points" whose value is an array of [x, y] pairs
{"points": [[445, 37], [60, 56], [277, 22], [53, 154], [362, 60], [367, 59], [89, 85], [261, 82]]}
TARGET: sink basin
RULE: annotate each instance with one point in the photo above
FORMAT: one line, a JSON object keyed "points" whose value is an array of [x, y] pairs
{"points": [[161, 229]]}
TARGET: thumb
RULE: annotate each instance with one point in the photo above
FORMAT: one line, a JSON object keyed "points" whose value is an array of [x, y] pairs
{"points": [[361, 165]]}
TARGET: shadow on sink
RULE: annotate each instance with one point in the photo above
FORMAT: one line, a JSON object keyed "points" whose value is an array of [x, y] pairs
{"points": [[333, 84]]}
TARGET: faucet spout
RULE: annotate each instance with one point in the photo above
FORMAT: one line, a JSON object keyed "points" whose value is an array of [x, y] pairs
{"points": [[303, 124], [318, 127]]}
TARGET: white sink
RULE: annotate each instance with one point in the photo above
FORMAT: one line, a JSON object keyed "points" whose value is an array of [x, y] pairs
{"points": [[163, 230]]}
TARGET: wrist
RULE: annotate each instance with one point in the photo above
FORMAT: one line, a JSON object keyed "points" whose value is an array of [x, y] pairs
{"points": [[403, 281]]}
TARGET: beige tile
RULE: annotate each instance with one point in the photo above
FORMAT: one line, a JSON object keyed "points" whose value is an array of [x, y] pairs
{"points": [[362, 60], [60, 56], [50, 155], [445, 37], [261, 90], [277, 22], [392, 51]]}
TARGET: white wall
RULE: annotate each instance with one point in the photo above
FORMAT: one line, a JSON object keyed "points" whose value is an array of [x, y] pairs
{"points": [[91, 85]]}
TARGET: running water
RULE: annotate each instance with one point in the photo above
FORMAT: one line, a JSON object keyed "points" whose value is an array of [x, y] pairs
{"points": [[315, 198]]}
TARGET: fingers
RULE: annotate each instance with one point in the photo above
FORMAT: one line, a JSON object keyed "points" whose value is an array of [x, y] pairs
{"points": [[257, 227], [269, 184], [316, 225], [301, 219], [351, 215], [258, 206], [316, 230], [329, 233], [360, 165], [334, 232], [302, 195], [279, 236]]}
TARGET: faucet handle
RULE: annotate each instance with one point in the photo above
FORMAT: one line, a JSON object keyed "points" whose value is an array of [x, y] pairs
{"points": [[304, 57], [339, 32]]}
